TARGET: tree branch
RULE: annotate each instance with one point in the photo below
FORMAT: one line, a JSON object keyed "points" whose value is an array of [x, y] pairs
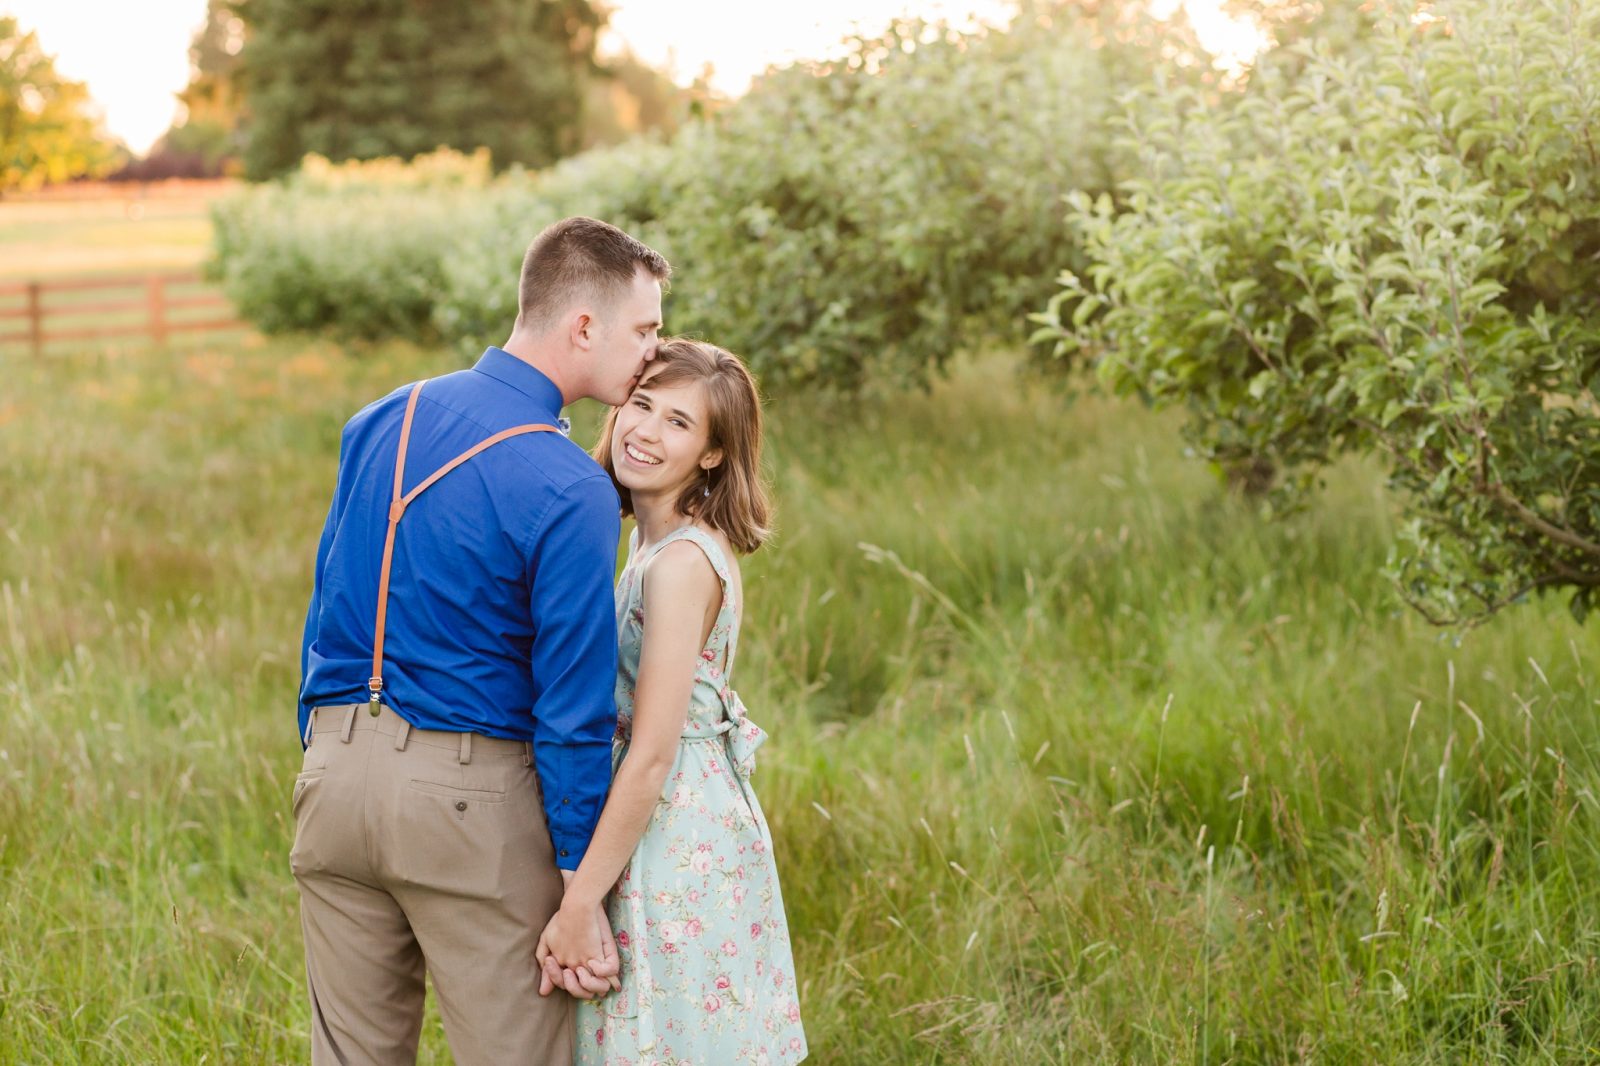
{"points": [[1531, 519]]}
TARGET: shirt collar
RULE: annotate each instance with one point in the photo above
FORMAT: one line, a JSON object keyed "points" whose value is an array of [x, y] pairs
{"points": [[514, 373]]}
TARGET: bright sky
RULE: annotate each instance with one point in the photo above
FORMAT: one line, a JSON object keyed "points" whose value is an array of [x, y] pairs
{"points": [[135, 55]]}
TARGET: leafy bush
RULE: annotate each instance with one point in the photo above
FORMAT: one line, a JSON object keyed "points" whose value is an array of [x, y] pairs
{"points": [[865, 216], [350, 248], [1391, 248], [877, 213]]}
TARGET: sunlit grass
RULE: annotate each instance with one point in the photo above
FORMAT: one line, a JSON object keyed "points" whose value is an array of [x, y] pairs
{"points": [[1074, 758], [128, 234]]}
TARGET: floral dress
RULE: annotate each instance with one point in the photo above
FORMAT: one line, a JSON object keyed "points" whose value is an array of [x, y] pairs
{"points": [[707, 973]]}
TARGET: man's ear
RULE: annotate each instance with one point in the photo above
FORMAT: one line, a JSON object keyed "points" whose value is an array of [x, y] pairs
{"points": [[581, 330]]}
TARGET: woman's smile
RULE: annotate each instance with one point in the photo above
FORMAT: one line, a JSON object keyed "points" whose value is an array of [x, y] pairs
{"points": [[639, 457]]}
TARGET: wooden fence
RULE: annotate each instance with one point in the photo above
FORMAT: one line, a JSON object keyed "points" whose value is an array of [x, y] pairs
{"points": [[144, 307]]}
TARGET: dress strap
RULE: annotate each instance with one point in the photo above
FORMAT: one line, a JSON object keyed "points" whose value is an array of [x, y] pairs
{"points": [[719, 563], [707, 543]]}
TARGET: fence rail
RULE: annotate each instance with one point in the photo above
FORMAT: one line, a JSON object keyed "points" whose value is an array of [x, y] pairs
{"points": [[31, 300]]}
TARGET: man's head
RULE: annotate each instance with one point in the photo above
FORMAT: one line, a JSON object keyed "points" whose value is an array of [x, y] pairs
{"points": [[589, 302]]}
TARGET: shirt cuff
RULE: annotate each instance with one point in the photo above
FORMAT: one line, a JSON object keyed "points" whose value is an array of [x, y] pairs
{"points": [[570, 832]]}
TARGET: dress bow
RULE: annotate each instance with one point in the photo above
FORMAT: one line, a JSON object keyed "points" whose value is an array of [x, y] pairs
{"points": [[743, 735]]}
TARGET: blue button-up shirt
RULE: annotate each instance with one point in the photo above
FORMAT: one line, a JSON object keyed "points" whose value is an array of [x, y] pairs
{"points": [[500, 593]]}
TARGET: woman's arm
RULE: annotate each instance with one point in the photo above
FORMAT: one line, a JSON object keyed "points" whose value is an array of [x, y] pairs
{"points": [[682, 595]]}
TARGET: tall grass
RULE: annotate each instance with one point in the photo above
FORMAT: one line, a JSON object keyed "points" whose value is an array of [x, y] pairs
{"points": [[1075, 759]]}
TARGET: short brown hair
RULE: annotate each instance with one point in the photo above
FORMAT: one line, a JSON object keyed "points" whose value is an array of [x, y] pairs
{"points": [[578, 258], [738, 504]]}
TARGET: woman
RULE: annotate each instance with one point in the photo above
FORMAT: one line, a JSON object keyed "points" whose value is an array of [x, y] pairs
{"points": [[682, 845]]}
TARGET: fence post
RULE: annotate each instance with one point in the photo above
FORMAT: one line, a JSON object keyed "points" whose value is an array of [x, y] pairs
{"points": [[35, 320], [158, 315]]}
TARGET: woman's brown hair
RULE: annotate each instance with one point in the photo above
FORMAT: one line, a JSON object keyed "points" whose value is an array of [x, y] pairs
{"points": [[738, 505]]}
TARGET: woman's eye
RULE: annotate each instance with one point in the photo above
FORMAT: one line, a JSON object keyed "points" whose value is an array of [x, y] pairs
{"points": [[677, 422]]}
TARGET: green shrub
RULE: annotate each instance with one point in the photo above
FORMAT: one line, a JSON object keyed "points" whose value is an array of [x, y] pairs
{"points": [[876, 214], [867, 216], [1389, 248], [350, 248]]}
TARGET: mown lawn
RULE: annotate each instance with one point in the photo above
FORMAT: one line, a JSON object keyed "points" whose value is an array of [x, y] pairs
{"points": [[1075, 759]]}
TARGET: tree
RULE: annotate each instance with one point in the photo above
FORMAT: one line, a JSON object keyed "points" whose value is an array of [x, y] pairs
{"points": [[207, 138], [46, 131], [628, 97], [362, 79], [1389, 246]]}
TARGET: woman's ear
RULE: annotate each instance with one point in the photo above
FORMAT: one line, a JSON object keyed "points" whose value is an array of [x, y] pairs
{"points": [[711, 459]]}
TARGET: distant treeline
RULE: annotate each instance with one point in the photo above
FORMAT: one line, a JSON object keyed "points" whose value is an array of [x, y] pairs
{"points": [[274, 80]]}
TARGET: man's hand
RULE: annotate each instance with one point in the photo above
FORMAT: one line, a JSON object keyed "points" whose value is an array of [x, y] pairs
{"points": [[577, 953]]}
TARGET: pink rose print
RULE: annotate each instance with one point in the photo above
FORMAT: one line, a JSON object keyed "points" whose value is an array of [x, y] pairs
{"points": [[794, 1014], [755, 929], [794, 1043], [622, 938], [693, 928], [730, 948], [709, 656], [712, 1004], [723, 984]]}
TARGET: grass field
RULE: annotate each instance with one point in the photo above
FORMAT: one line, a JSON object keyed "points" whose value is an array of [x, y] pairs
{"points": [[128, 234], [1074, 759]]}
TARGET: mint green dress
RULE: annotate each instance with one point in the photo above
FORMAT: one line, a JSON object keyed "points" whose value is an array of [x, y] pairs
{"points": [[707, 972]]}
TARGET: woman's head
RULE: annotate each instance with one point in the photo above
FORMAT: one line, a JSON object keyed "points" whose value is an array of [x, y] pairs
{"points": [[691, 432]]}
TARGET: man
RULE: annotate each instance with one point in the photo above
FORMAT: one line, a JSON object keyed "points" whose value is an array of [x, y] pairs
{"points": [[457, 676]]}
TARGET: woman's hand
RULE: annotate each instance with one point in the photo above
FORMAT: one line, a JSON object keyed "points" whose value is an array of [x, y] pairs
{"points": [[576, 952]]}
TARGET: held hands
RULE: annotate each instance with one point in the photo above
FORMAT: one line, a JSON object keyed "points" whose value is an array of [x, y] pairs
{"points": [[576, 952]]}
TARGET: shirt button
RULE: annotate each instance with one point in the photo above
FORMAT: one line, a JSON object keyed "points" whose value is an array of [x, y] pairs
{"points": [[563, 853], [565, 801], [461, 805]]}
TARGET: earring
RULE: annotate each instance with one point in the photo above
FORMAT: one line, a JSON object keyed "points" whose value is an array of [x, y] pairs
{"points": [[707, 491]]}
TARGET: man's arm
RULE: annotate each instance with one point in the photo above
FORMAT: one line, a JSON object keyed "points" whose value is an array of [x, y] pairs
{"points": [[574, 660], [314, 609], [683, 593]]}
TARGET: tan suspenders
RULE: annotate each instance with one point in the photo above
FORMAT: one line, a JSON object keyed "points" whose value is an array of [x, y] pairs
{"points": [[397, 508]]}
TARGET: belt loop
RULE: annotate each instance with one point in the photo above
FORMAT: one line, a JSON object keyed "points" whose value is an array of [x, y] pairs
{"points": [[402, 735], [466, 748], [527, 753], [311, 727], [349, 723]]}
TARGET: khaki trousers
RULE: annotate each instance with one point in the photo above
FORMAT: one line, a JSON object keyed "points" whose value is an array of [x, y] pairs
{"points": [[416, 849]]}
